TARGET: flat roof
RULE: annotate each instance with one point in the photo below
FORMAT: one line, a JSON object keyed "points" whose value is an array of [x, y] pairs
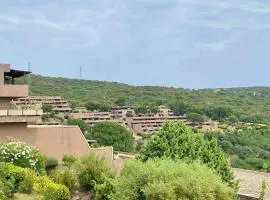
{"points": [[13, 73]]}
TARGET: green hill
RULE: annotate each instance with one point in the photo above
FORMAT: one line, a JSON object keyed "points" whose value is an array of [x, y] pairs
{"points": [[247, 104]]}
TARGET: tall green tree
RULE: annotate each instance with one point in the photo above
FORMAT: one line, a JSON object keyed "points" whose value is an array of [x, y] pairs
{"points": [[178, 142], [219, 112], [111, 134]]}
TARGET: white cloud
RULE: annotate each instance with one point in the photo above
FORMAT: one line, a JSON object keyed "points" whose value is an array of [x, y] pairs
{"points": [[81, 24]]}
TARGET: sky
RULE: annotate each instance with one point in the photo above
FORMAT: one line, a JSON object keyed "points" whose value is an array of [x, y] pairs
{"points": [[179, 43]]}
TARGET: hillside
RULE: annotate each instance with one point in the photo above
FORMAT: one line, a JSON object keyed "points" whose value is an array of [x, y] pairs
{"points": [[247, 104]]}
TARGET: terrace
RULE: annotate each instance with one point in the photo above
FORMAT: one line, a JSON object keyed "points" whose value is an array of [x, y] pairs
{"points": [[20, 116]]}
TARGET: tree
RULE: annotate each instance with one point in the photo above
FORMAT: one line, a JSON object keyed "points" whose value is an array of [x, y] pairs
{"points": [[111, 134], [180, 107], [78, 122], [195, 117], [121, 101], [169, 180], [219, 113], [47, 108], [141, 109], [178, 142], [91, 106]]}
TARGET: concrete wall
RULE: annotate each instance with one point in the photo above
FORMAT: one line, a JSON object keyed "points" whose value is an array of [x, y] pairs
{"points": [[3, 68], [14, 91], [53, 141]]}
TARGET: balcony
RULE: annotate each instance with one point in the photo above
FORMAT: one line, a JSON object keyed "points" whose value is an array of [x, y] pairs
{"points": [[14, 91], [20, 116]]}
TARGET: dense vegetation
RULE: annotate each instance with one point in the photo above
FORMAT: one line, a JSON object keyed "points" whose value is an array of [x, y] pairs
{"points": [[106, 134], [247, 148], [178, 142], [167, 171], [168, 180], [244, 104], [22, 169], [111, 134]]}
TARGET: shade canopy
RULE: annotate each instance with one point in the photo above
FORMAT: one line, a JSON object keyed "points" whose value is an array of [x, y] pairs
{"points": [[16, 74]]}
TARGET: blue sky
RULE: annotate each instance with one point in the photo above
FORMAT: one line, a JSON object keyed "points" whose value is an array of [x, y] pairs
{"points": [[181, 43]]}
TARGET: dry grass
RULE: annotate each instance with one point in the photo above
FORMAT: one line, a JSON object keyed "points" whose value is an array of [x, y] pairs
{"points": [[19, 196]]}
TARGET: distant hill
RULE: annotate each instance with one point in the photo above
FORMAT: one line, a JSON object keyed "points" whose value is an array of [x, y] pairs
{"points": [[250, 104]]}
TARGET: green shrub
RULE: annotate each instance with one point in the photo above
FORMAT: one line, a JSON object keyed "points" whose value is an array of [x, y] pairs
{"points": [[26, 186], [170, 180], [50, 190], [51, 163], [65, 177], [54, 191], [105, 190], [22, 155], [178, 142], [5, 190], [11, 176], [91, 171], [69, 160], [47, 108]]}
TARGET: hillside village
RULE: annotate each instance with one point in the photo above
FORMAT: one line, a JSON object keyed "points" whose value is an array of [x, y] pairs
{"points": [[42, 121]]}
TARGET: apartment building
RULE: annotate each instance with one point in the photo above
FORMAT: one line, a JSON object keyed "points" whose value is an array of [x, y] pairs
{"points": [[92, 118], [128, 118], [59, 105], [150, 124], [19, 124]]}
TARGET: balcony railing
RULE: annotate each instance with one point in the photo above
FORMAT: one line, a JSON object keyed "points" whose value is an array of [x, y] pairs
{"points": [[4, 113]]}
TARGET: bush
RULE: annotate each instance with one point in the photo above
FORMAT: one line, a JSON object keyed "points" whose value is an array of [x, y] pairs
{"points": [[65, 177], [105, 190], [169, 180], [22, 155], [91, 171], [11, 176], [54, 191], [51, 163], [177, 141], [50, 190], [5, 190], [26, 186], [69, 160], [47, 108]]}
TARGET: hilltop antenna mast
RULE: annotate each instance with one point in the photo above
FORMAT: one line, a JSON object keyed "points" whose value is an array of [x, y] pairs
{"points": [[80, 72]]}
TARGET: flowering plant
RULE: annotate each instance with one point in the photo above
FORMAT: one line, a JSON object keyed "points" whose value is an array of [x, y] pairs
{"points": [[22, 155]]}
